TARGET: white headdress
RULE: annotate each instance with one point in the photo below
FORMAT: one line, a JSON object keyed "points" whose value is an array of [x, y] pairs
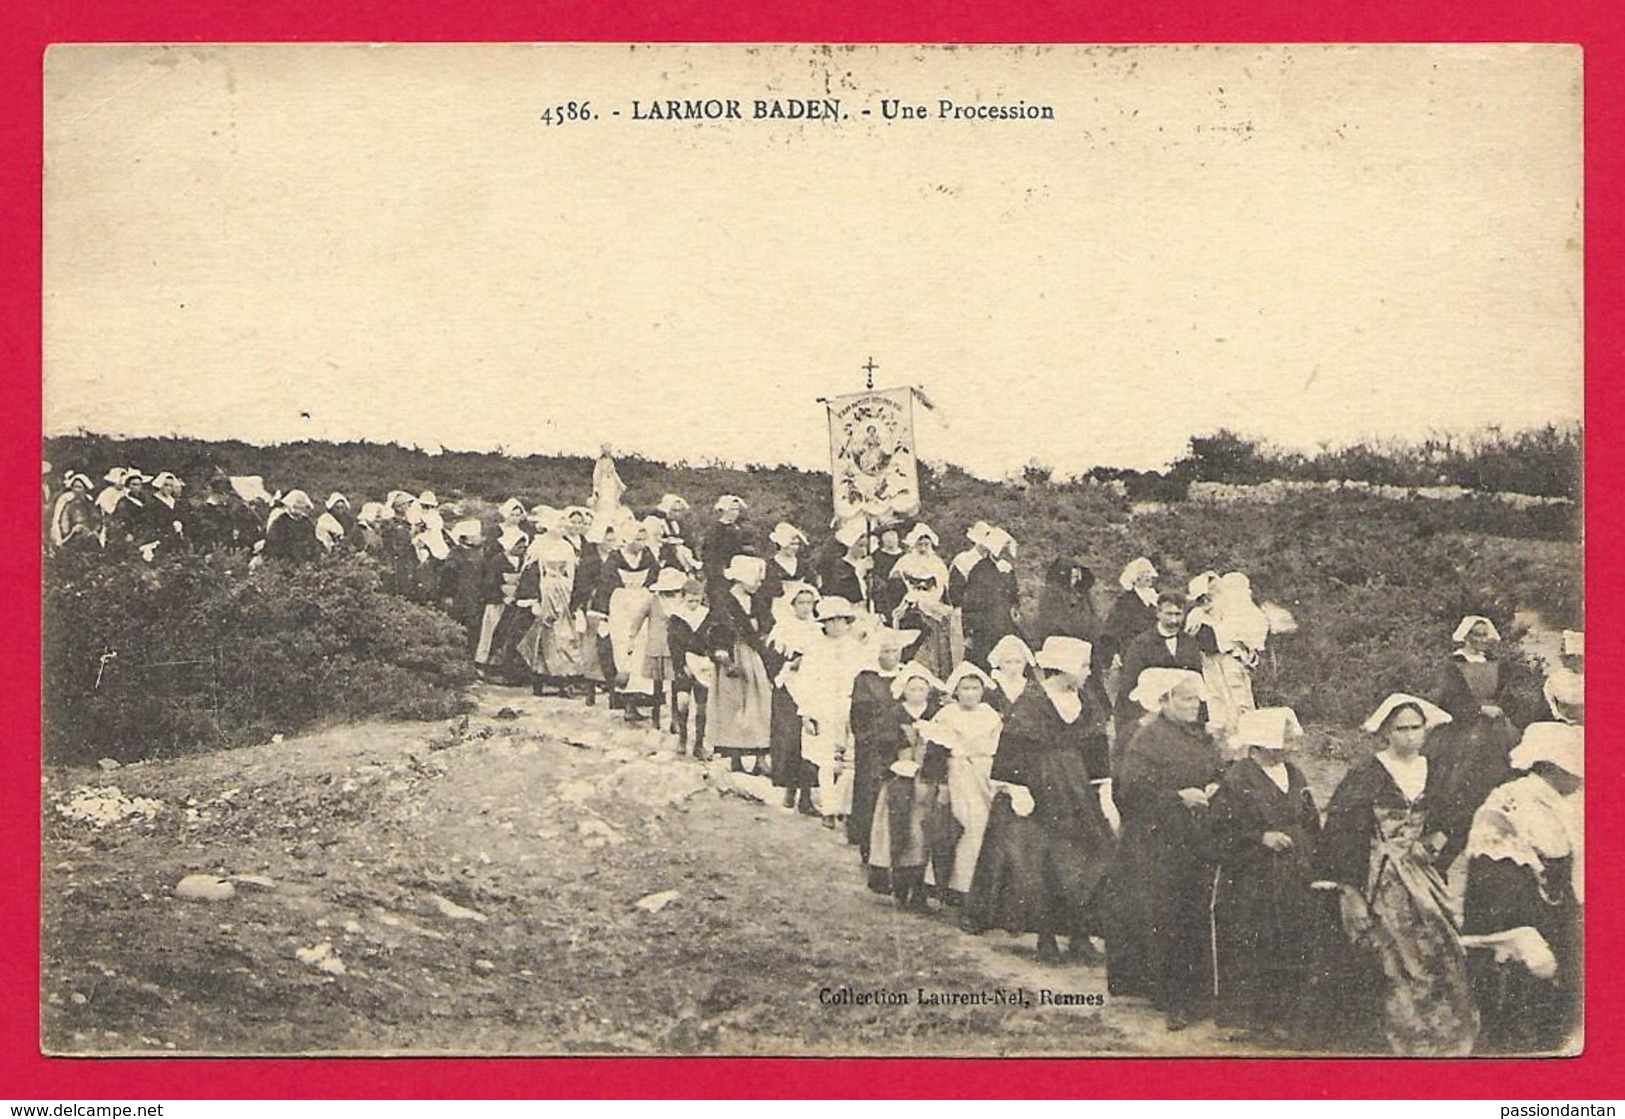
{"points": [[1432, 714], [1132, 572], [914, 671], [1467, 625], [1275, 728], [1156, 684], [1561, 744], [1007, 645], [1065, 654]]}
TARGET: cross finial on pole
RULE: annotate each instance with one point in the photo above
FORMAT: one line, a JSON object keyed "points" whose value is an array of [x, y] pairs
{"points": [[870, 370]]}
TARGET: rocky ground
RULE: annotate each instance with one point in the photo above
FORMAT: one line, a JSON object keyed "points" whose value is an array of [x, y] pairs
{"points": [[543, 879]]}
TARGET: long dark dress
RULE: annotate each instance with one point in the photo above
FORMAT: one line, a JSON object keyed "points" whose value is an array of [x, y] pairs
{"points": [[876, 738], [1064, 606], [721, 545], [777, 576], [1159, 941], [1520, 875], [1262, 902], [467, 590], [1410, 963], [907, 809], [1044, 873], [1127, 619], [1148, 650], [399, 556], [887, 594], [127, 524], [989, 602], [1471, 751], [842, 580], [788, 768], [168, 527]]}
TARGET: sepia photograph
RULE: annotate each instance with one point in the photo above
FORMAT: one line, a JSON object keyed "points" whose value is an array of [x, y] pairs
{"points": [[812, 550]]}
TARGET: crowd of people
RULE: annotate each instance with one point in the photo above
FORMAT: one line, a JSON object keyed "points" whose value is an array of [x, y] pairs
{"points": [[1110, 781]]}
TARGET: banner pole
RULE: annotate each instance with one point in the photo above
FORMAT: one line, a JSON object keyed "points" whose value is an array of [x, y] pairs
{"points": [[868, 550]]}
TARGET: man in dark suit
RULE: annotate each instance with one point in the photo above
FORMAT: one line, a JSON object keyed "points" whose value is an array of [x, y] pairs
{"points": [[1167, 645]]}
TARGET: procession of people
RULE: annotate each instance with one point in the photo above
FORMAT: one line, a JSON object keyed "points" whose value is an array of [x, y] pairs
{"points": [[1120, 783]]}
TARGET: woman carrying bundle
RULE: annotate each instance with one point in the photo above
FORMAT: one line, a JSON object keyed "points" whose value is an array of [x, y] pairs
{"points": [[1231, 630]]}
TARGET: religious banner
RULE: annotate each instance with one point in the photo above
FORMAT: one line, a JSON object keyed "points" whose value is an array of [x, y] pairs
{"points": [[871, 454]]}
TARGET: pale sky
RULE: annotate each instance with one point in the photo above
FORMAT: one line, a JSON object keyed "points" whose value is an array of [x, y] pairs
{"points": [[1307, 244]]}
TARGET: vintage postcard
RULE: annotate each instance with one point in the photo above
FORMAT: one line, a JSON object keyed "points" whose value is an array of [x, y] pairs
{"points": [[813, 550]]}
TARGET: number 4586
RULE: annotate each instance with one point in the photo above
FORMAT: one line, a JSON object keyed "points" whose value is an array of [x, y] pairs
{"points": [[568, 111]]}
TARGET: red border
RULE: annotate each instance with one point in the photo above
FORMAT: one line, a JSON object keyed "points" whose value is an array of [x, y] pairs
{"points": [[26, 30]]}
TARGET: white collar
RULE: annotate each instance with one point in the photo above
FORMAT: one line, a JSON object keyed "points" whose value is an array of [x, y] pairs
{"points": [[1276, 772], [1411, 776], [1069, 704]]}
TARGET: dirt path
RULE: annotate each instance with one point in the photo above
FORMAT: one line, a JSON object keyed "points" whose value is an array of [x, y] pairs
{"points": [[429, 891]]}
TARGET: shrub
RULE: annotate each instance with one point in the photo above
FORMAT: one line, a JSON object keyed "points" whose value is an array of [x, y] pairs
{"points": [[1545, 462], [197, 652]]}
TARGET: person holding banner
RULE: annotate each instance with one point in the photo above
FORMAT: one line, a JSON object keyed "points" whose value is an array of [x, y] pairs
{"points": [[847, 577]]}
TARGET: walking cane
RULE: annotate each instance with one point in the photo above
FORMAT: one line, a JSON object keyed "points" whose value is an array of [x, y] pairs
{"points": [[1213, 928]]}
